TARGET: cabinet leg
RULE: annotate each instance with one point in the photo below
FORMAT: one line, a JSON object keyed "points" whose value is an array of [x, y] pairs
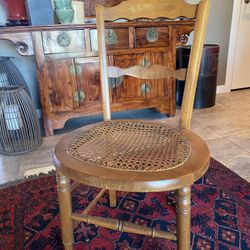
{"points": [[183, 202], [163, 109], [112, 198], [48, 127], [65, 208]]}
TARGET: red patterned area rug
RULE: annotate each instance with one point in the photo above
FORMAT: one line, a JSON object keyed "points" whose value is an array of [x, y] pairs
{"points": [[29, 217]]}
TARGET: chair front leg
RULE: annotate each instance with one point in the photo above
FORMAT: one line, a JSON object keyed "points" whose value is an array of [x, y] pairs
{"points": [[65, 207], [183, 203], [112, 198]]}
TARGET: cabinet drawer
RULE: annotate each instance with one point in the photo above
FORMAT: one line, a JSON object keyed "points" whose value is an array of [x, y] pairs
{"points": [[115, 39], [63, 41], [152, 37]]}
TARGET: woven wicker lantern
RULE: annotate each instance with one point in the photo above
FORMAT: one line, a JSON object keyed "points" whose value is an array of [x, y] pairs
{"points": [[19, 125], [10, 75]]}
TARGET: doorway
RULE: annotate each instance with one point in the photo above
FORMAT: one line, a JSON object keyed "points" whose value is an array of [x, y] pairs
{"points": [[238, 73]]}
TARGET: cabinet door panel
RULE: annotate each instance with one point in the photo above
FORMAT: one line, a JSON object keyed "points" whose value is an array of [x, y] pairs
{"points": [[161, 87], [88, 80], [62, 84], [130, 87]]}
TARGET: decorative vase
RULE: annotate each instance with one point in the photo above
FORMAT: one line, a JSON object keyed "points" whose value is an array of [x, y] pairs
{"points": [[64, 11], [16, 12], [79, 16], [64, 16], [63, 4]]}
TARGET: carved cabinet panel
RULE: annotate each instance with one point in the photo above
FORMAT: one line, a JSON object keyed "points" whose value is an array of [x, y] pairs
{"points": [[61, 84], [161, 87], [127, 88], [88, 80]]}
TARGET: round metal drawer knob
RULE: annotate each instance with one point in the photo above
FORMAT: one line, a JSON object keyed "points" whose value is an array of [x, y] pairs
{"points": [[152, 35], [63, 39], [79, 96], [111, 37], [145, 88]]}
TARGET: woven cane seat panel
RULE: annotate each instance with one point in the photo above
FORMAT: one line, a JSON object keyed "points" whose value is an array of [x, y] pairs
{"points": [[131, 146]]}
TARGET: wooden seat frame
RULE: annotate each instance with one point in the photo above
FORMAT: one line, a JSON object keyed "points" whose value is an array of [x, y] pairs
{"points": [[179, 179]]}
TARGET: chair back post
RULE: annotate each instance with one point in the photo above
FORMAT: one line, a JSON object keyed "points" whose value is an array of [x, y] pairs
{"points": [[194, 63], [103, 62]]}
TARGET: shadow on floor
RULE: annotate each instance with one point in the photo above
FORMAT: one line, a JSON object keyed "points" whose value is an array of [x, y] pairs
{"points": [[144, 114]]}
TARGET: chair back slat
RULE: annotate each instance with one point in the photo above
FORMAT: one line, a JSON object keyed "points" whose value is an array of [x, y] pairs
{"points": [[153, 9], [147, 72]]}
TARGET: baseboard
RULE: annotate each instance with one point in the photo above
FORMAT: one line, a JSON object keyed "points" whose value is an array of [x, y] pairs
{"points": [[223, 89]]}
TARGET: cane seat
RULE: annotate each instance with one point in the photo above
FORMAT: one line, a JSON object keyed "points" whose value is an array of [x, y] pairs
{"points": [[131, 155]]}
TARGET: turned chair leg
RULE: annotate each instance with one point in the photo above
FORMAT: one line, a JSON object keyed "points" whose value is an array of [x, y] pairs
{"points": [[112, 198], [65, 207], [183, 203]]}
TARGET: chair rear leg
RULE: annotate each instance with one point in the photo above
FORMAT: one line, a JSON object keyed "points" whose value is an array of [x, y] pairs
{"points": [[112, 198], [183, 202]]}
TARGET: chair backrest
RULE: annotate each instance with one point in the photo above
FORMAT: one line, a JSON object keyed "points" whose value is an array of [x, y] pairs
{"points": [[152, 9]]}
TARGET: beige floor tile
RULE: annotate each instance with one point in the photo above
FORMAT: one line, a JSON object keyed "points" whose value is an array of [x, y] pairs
{"points": [[37, 159], [172, 121], [241, 165], [225, 126], [231, 155], [242, 139], [218, 109], [237, 100], [9, 168], [204, 132], [50, 142]]}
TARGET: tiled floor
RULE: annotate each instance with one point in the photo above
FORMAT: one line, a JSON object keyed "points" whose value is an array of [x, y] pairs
{"points": [[225, 127]]}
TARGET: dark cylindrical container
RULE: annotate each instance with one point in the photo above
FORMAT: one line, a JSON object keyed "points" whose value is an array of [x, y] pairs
{"points": [[207, 82]]}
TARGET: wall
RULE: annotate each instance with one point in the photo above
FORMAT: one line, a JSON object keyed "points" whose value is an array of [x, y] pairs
{"points": [[26, 66], [218, 32]]}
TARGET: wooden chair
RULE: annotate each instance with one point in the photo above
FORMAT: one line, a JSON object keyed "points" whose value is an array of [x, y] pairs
{"points": [[132, 155]]}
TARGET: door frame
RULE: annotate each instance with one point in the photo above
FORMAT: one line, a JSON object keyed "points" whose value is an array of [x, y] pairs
{"points": [[232, 47]]}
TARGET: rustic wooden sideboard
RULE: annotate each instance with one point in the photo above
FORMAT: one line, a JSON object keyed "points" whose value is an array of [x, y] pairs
{"points": [[68, 68]]}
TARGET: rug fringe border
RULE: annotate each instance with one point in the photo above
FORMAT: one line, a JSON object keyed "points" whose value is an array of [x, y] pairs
{"points": [[26, 179]]}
